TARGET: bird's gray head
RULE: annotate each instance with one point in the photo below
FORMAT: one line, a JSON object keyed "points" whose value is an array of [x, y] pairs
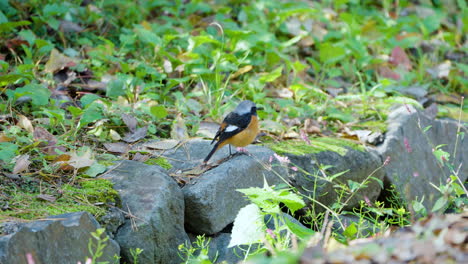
{"points": [[246, 107]]}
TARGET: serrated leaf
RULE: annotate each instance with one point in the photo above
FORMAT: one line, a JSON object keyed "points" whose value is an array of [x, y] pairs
{"points": [[248, 226]]}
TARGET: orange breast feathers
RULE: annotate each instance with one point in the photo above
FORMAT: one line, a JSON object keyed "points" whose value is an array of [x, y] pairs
{"points": [[246, 136]]}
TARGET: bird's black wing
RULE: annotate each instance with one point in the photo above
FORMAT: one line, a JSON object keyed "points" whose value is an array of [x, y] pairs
{"points": [[240, 121]]}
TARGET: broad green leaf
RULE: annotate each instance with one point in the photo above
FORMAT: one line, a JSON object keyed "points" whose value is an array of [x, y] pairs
{"points": [[89, 98], [299, 230], [38, 93], [92, 113], [439, 204], [95, 170], [331, 53], [115, 88], [158, 111], [248, 226], [7, 151], [351, 231], [8, 26], [269, 77]]}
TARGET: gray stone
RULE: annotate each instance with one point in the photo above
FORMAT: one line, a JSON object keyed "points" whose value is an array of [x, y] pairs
{"points": [[112, 221], [155, 212], [60, 239], [218, 248], [211, 200], [413, 166], [317, 184]]}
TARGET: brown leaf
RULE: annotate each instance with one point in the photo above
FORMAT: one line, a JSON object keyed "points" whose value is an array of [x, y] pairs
{"points": [[42, 134], [25, 123], [69, 27], [163, 144], [58, 61], [399, 58], [137, 135], [62, 161], [140, 157], [22, 164], [46, 197], [81, 161], [130, 122], [117, 147], [311, 126], [386, 72], [4, 138]]}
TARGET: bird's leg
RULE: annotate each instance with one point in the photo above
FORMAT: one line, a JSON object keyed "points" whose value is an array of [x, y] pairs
{"points": [[230, 154]]}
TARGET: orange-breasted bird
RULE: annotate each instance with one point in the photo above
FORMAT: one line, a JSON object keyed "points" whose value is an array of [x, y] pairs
{"points": [[239, 128]]}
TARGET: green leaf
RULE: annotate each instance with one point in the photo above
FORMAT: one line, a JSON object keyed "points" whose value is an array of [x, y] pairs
{"points": [[7, 151], [330, 53], [419, 208], [269, 199], [38, 93], [9, 26], [115, 88], [158, 111], [269, 77], [92, 113], [95, 170], [89, 98], [299, 230], [439, 204], [248, 226], [351, 231]]}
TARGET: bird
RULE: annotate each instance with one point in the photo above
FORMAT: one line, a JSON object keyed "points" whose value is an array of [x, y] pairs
{"points": [[239, 128]]}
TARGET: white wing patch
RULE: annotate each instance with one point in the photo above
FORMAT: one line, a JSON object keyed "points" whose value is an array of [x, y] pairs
{"points": [[231, 128]]}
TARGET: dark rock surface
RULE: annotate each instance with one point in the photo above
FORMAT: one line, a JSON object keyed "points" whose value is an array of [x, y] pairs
{"points": [[413, 166], [314, 183], [211, 199], [60, 239], [155, 212]]}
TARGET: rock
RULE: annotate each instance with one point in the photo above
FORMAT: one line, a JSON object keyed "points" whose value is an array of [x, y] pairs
{"points": [[112, 221], [60, 239], [218, 248], [211, 200], [359, 164], [413, 166], [155, 207]]}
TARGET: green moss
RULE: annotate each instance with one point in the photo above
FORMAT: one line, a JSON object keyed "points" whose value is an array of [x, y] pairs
{"points": [[376, 126], [159, 161], [85, 196], [317, 145]]}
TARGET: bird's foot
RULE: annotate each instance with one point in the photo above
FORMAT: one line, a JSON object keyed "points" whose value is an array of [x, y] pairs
{"points": [[241, 149]]}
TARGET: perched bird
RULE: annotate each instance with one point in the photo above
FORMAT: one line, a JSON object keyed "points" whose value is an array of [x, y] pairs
{"points": [[239, 128]]}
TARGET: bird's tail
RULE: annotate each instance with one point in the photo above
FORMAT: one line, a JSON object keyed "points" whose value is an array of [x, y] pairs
{"points": [[216, 146]]}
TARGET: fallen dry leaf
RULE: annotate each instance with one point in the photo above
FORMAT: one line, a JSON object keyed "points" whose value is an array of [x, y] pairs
{"points": [[117, 147], [130, 122], [179, 129], [62, 161], [136, 135], [58, 61], [46, 197], [81, 161], [440, 71], [114, 135], [386, 72], [21, 164], [4, 138], [140, 157], [25, 123], [162, 145], [399, 58]]}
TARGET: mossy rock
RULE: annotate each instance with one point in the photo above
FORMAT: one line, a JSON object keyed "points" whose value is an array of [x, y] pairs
{"points": [[317, 145]]}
